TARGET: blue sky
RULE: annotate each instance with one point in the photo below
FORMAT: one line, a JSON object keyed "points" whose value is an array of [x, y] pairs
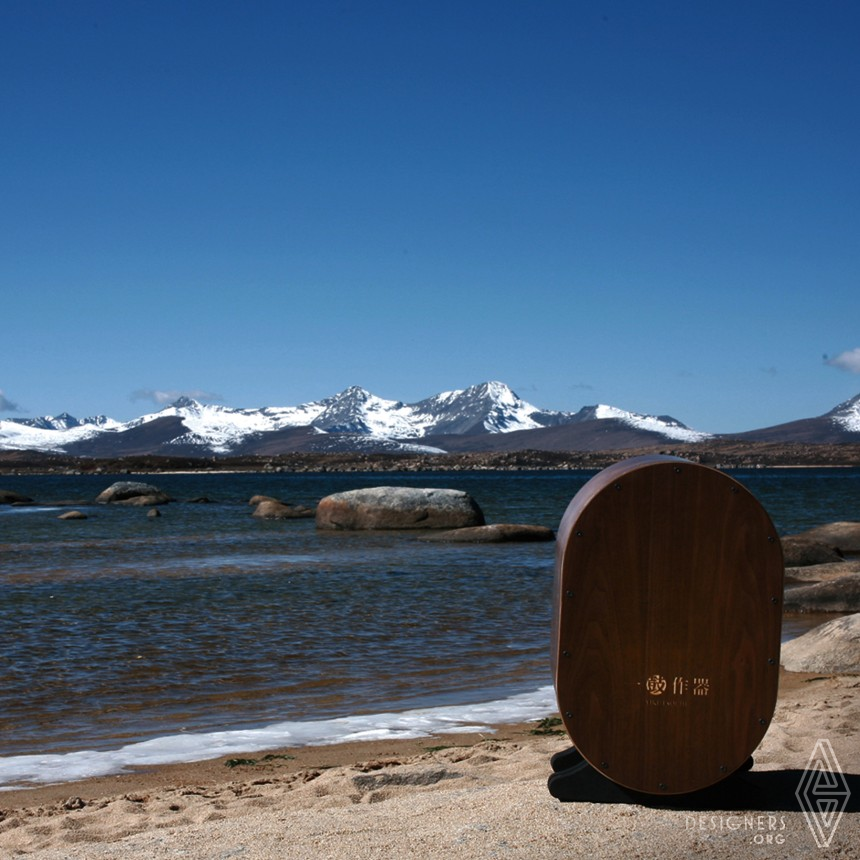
{"points": [[651, 205]]}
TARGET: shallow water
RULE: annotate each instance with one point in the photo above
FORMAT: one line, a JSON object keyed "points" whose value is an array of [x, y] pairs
{"points": [[121, 627]]}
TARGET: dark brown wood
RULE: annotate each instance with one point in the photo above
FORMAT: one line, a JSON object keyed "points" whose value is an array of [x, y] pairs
{"points": [[666, 628]]}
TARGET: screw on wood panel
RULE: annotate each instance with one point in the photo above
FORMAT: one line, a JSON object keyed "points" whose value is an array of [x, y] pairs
{"points": [[568, 593], [774, 600], [762, 721], [662, 786], [568, 714], [677, 470], [770, 538], [771, 661], [618, 486], [723, 768], [579, 534], [736, 490], [604, 764], [565, 653]]}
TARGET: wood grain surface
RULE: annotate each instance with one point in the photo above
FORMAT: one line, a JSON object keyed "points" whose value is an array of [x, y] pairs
{"points": [[666, 628]]}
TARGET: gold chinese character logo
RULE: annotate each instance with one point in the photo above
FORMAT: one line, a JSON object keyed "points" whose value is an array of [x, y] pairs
{"points": [[656, 685], [681, 686], [701, 686]]}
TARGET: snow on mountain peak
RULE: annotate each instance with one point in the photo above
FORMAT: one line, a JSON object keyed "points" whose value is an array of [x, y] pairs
{"points": [[489, 407], [498, 391], [50, 433], [186, 403], [847, 415], [356, 410], [664, 425], [222, 427]]}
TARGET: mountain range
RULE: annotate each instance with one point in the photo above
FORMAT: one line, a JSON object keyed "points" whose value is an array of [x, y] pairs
{"points": [[488, 417]]}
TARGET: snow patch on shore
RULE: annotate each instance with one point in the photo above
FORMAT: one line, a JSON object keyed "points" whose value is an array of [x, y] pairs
{"points": [[23, 770]]}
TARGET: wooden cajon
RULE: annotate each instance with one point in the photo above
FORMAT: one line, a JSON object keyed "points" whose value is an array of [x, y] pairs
{"points": [[666, 628]]}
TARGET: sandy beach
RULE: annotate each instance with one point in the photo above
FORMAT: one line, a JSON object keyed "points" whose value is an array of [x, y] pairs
{"points": [[465, 796]]}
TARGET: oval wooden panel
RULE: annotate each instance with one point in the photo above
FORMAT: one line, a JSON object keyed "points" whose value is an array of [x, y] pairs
{"points": [[667, 619]]}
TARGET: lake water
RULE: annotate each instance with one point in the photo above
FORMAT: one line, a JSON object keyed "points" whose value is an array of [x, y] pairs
{"points": [[128, 639]]}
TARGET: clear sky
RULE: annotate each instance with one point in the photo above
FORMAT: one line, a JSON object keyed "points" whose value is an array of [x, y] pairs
{"points": [[654, 205]]}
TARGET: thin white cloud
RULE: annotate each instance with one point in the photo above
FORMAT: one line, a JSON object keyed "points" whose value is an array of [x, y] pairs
{"points": [[160, 398], [6, 405], [848, 360]]}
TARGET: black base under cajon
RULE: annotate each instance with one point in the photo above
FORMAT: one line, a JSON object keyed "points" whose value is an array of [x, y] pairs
{"points": [[575, 780]]}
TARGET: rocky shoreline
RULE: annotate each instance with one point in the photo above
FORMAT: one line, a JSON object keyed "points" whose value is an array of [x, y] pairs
{"points": [[729, 455]]}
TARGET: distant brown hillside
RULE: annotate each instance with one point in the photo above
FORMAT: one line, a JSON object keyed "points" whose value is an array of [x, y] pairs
{"points": [[720, 453]]}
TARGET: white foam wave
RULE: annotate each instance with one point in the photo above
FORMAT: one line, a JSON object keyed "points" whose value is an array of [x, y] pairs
{"points": [[29, 770]]}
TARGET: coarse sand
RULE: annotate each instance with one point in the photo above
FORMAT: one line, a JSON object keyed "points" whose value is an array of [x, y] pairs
{"points": [[464, 796]]}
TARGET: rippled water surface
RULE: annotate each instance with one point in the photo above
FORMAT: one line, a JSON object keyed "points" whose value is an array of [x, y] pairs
{"points": [[125, 627]]}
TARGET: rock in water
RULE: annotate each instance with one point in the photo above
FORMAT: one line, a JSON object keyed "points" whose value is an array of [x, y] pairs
{"points": [[398, 508], [802, 552], [72, 515], [9, 497], [835, 595], [832, 647], [255, 500], [271, 509], [496, 533], [844, 536], [132, 492], [822, 572]]}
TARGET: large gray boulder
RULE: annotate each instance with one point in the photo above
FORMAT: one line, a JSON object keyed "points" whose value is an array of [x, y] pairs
{"points": [[831, 647], [844, 536], [398, 508], [801, 551], [132, 493], [834, 595], [821, 572]]}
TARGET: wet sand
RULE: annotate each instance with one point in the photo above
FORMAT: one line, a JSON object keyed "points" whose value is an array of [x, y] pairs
{"points": [[463, 796]]}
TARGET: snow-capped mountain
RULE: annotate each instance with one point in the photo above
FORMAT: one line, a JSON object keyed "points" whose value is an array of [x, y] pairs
{"points": [[840, 424], [485, 417], [491, 407], [352, 419], [665, 425], [221, 428], [847, 415], [63, 421], [51, 433], [356, 410]]}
